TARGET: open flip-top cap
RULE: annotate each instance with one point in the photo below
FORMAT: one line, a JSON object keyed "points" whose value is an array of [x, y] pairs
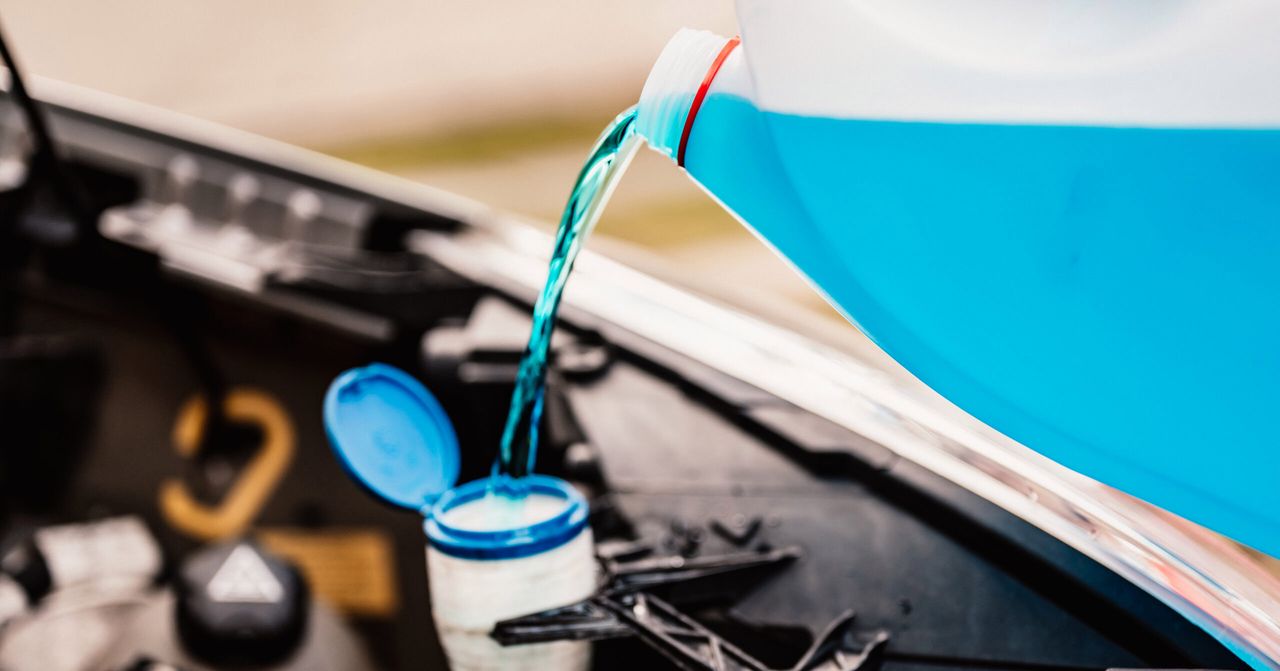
{"points": [[391, 435]]}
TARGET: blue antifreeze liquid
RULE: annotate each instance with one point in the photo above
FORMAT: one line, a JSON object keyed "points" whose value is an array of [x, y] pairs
{"points": [[590, 193], [1107, 296]]}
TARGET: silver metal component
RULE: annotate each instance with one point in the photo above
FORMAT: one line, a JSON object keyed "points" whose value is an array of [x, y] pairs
{"points": [[179, 176], [15, 149], [302, 207], [242, 189], [117, 550], [207, 220]]}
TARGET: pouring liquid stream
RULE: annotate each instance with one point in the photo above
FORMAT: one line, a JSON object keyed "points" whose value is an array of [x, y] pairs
{"points": [[605, 166]]}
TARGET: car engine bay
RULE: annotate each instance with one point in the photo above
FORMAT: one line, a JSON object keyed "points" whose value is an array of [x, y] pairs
{"points": [[169, 333]]}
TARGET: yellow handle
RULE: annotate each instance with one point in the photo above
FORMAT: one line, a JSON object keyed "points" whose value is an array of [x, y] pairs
{"points": [[257, 481]]}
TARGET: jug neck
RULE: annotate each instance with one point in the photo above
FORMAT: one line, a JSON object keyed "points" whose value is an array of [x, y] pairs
{"points": [[674, 86]]}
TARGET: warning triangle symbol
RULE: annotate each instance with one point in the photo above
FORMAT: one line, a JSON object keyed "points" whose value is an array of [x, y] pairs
{"points": [[244, 578]]}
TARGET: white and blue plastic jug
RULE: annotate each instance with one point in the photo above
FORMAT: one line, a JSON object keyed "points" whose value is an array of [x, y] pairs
{"points": [[1064, 216]]}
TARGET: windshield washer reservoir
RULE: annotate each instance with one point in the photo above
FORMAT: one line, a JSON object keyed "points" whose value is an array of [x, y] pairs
{"points": [[489, 557]]}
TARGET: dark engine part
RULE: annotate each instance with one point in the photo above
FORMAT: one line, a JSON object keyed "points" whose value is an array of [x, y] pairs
{"points": [[240, 605], [50, 388]]}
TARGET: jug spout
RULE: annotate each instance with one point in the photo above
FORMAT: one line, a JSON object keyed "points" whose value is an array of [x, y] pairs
{"points": [[697, 109], [673, 84]]}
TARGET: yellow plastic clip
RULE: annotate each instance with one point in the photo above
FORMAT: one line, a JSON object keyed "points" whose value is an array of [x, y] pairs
{"points": [[258, 479]]}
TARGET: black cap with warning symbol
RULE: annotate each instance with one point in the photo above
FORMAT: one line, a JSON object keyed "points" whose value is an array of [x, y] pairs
{"points": [[238, 604]]}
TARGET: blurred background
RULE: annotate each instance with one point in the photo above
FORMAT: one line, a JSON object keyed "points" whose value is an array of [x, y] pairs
{"points": [[497, 100]]}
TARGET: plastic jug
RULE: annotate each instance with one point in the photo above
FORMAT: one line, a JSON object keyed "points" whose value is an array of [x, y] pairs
{"points": [[1064, 216]]}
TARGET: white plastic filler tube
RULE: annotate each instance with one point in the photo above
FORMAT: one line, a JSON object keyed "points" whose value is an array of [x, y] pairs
{"points": [[489, 558]]}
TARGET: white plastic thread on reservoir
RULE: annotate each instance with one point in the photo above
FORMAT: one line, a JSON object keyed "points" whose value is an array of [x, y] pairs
{"points": [[491, 559]]}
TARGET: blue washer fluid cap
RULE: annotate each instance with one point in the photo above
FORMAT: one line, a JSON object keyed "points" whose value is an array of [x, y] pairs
{"points": [[391, 435], [514, 542]]}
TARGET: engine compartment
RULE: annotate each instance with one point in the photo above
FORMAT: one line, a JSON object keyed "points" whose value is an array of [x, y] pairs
{"points": [[212, 274]]}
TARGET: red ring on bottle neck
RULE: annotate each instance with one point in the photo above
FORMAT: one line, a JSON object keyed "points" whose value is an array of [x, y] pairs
{"points": [[701, 94]]}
